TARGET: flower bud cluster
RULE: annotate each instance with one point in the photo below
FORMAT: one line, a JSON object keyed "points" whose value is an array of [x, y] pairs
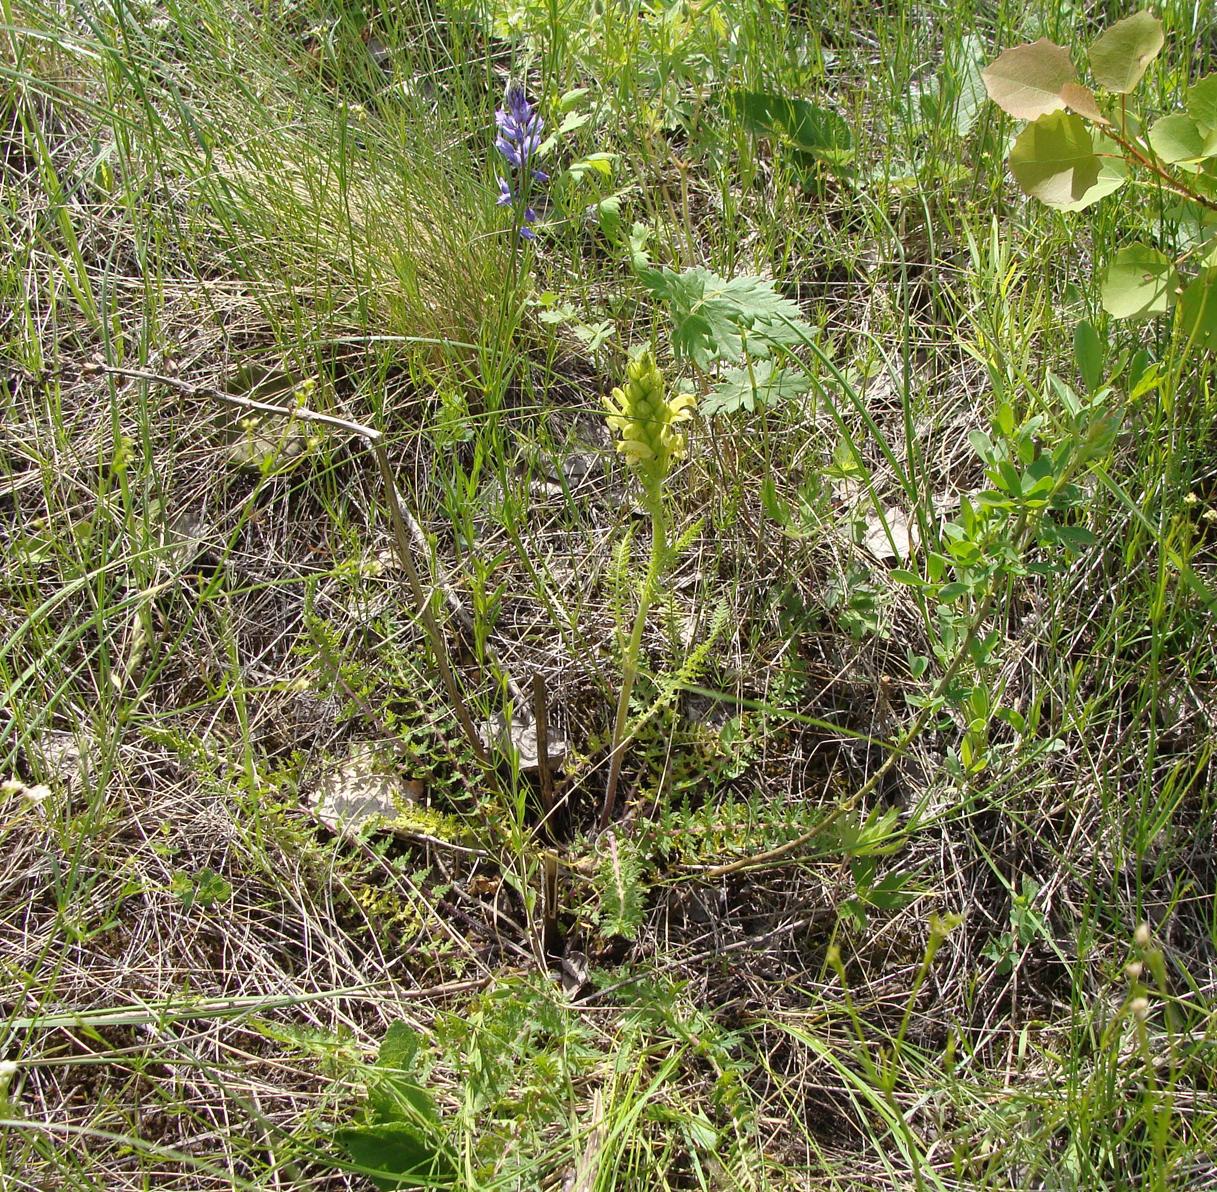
{"points": [[647, 421]]}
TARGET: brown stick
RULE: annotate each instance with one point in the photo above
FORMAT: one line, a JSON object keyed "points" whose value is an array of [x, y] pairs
{"points": [[399, 517]]}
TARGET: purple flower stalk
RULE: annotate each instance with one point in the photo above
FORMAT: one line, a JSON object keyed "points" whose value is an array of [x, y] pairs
{"points": [[519, 139]]}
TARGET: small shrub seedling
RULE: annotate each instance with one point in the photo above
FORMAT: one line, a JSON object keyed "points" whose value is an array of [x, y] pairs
{"points": [[1081, 144]]}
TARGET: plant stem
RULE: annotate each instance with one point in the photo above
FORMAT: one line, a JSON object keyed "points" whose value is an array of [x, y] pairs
{"points": [[629, 666]]}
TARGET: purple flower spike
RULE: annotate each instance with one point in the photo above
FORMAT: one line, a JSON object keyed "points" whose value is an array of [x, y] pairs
{"points": [[519, 140], [520, 129]]}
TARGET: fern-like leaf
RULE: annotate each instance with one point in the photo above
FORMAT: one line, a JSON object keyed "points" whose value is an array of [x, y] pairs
{"points": [[618, 883]]}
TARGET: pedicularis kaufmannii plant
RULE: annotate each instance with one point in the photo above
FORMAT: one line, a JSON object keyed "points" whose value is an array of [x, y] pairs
{"points": [[519, 141], [647, 421]]}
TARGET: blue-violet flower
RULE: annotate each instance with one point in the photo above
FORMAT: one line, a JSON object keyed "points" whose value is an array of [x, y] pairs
{"points": [[520, 127]]}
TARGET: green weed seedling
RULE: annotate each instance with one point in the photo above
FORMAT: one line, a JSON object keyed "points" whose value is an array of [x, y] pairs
{"points": [[403, 1142]]}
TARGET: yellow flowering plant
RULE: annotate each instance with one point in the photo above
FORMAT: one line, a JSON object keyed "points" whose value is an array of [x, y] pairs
{"points": [[648, 422]]}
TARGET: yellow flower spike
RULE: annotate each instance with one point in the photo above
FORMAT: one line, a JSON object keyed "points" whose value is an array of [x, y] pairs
{"points": [[646, 421]]}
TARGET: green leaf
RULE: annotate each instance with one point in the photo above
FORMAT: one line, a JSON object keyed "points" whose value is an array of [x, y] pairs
{"points": [[394, 1095], [1081, 100], [571, 98], [398, 1048], [1202, 102], [409, 1159], [970, 86], [1197, 313], [797, 123], [619, 883], [1054, 161], [1140, 282], [205, 889], [1088, 352], [1026, 81], [1178, 140], [1113, 173], [712, 317], [738, 389], [640, 257], [572, 121], [593, 163], [1120, 56]]}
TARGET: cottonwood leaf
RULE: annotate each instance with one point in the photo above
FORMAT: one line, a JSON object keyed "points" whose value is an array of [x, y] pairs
{"points": [[765, 385], [1202, 102], [1140, 282], [1197, 312], [1053, 159], [892, 536], [1026, 80], [358, 793], [1081, 100], [1178, 140], [1113, 173], [1120, 56]]}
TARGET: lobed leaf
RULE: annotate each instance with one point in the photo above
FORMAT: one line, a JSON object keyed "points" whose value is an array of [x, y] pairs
{"points": [[1120, 56], [765, 385], [1053, 159], [1140, 282], [713, 317], [1026, 81]]}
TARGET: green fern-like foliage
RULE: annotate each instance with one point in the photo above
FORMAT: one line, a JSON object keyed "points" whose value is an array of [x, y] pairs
{"points": [[619, 887]]}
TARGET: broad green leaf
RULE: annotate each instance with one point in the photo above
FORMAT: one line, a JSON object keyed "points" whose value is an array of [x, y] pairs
{"points": [[1178, 140], [395, 1095], [398, 1048], [1202, 102], [1053, 159], [593, 163], [409, 1159], [1026, 81], [608, 212], [970, 87], [571, 98], [740, 389], [794, 122], [1197, 312], [1113, 173], [1119, 57], [1140, 282]]}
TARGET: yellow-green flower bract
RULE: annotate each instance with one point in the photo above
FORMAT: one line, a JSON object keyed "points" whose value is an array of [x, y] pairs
{"points": [[647, 421]]}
